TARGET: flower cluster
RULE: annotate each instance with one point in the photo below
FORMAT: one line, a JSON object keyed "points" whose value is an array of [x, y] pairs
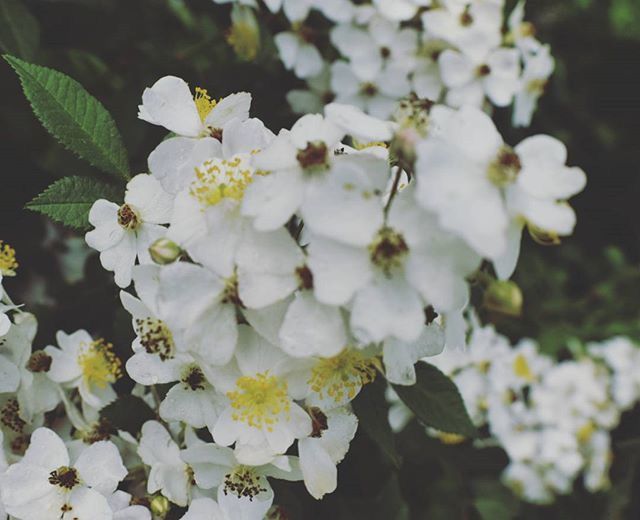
{"points": [[372, 54], [552, 419], [58, 458], [275, 275]]}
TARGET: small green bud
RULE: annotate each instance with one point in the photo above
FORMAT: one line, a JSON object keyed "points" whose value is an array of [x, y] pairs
{"points": [[160, 506], [164, 251], [504, 297]]}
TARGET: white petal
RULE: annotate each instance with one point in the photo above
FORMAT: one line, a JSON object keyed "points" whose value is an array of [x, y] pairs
{"points": [[46, 450], [234, 106], [320, 472], [145, 194], [100, 466]]}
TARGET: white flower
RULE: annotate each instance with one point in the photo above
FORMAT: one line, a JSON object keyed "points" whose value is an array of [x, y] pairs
{"points": [[46, 485], [120, 503], [400, 10], [89, 365], [538, 68], [298, 55], [169, 474], [522, 33], [325, 448], [460, 176], [204, 508], [312, 99], [243, 492], [261, 417], [468, 81], [538, 195], [124, 233], [294, 159]]}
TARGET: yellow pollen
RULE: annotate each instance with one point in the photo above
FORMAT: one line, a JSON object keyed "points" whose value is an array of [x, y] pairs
{"points": [[343, 375], [100, 366], [537, 86], [584, 434], [521, 368], [450, 438], [204, 103], [8, 262], [259, 401], [219, 179]]}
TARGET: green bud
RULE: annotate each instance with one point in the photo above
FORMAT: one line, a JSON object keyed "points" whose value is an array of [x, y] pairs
{"points": [[504, 297], [164, 251], [160, 506]]}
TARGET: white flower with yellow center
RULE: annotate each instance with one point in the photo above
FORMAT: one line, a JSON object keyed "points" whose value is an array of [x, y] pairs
{"points": [[47, 485], [242, 491], [124, 233], [538, 68], [261, 418], [123, 509], [89, 365]]}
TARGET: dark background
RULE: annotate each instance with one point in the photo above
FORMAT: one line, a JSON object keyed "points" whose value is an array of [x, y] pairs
{"points": [[587, 289]]}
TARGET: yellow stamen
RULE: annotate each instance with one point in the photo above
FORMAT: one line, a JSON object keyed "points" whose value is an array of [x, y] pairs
{"points": [[204, 103], [343, 375], [100, 366], [218, 179], [450, 438], [521, 368], [8, 262], [584, 434], [259, 401]]}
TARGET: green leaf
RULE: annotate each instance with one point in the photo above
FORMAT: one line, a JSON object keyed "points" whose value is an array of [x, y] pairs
{"points": [[128, 413], [436, 401], [19, 30], [625, 18], [73, 116], [371, 408], [68, 200]]}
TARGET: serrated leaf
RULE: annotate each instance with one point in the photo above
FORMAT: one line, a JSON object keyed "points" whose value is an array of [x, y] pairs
{"points": [[74, 117], [19, 30], [68, 200], [371, 408], [128, 413], [436, 401]]}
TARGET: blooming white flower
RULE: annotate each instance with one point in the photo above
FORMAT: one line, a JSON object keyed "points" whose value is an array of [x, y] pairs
{"points": [[120, 503], [400, 9], [124, 233], [47, 485], [538, 68], [298, 55], [261, 418], [89, 365], [325, 448]]}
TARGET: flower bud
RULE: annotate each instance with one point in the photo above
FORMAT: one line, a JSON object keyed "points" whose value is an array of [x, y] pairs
{"points": [[504, 297], [164, 251], [244, 34], [160, 506]]}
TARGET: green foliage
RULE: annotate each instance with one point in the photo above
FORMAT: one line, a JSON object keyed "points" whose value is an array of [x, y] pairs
{"points": [[19, 30], [74, 117], [69, 200], [436, 401], [128, 413], [371, 408], [625, 17]]}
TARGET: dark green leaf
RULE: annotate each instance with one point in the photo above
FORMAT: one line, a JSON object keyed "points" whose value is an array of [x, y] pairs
{"points": [[128, 413], [74, 117], [19, 30], [68, 200], [371, 408], [436, 401]]}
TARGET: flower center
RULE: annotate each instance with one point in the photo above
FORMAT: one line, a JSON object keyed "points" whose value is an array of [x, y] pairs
{"points": [[193, 378], [128, 217], [244, 36], [537, 86], [243, 482], [8, 262], [318, 421], [342, 375], [465, 18], [483, 70], [10, 416], [155, 337], [64, 477], [505, 168], [101, 430], [521, 368], [368, 89], [314, 157], [99, 364], [259, 401], [388, 250], [219, 179], [39, 361], [204, 103], [305, 277]]}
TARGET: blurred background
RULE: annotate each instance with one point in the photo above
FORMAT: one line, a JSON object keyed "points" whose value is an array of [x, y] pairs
{"points": [[586, 289]]}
